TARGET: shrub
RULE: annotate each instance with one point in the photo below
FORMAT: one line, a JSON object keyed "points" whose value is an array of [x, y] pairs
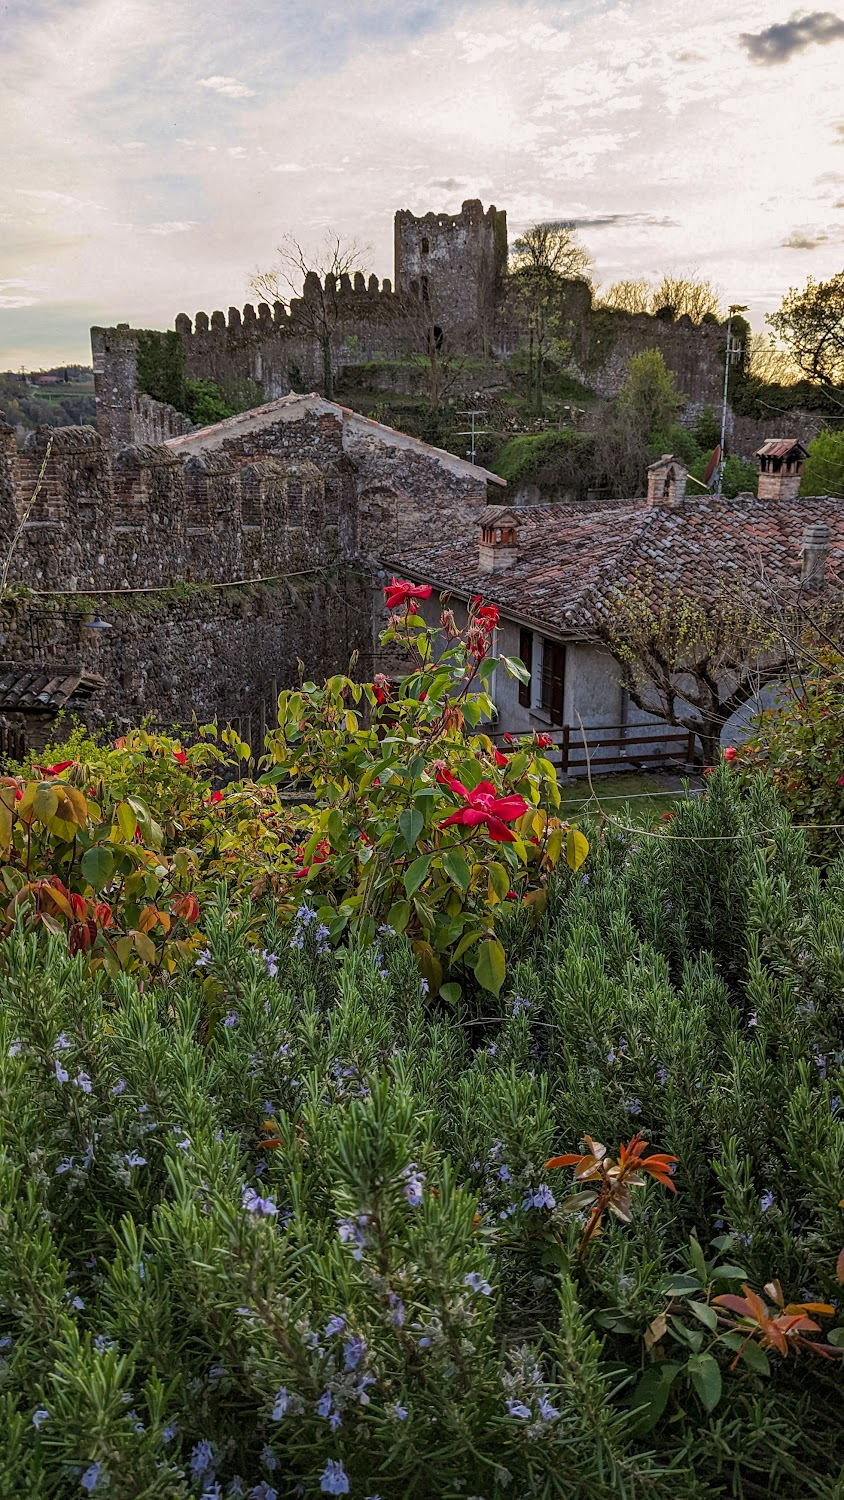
{"points": [[291, 1220]]}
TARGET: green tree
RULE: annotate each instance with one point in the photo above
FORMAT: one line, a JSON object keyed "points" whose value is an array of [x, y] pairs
{"points": [[823, 473], [161, 368], [811, 325], [649, 401]]}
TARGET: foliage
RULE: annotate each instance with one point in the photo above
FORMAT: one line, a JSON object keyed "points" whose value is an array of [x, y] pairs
{"points": [[810, 323], [796, 744], [675, 296], [399, 824], [289, 1220], [205, 403], [405, 809], [544, 258], [161, 368], [649, 398], [823, 471], [554, 458]]}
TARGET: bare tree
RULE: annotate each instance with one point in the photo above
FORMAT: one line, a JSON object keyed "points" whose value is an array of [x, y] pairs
{"points": [[417, 322], [316, 278], [628, 296], [544, 258], [688, 296], [768, 361], [692, 662]]}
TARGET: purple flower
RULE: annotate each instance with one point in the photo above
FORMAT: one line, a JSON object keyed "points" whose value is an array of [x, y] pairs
{"points": [[134, 1159], [541, 1197], [334, 1480], [547, 1412], [282, 1404], [230, 1020], [203, 958], [66, 1165], [14, 1048], [397, 1314], [263, 1208], [423, 985], [61, 1043], [202, 1461], [477, 1283], [62, 1074], [39, 1416], [268, 1458], [169, 1432], [83, 1082], [324, 1404], [413, 1180], [263, 1491], [662, 1074], [504, 1172], [120, 1087], [91, 1478], [634, 1106], [353, 1351], [520, 1005], [400, 1412], [766, 1201], [753, 1019], [271, 962], [518, 1409], [334, 1325], [351, 1232], [77, 1304]]}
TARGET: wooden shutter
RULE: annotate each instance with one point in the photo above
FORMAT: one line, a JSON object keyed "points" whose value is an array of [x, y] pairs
{"points": [[526, 654], [553, 679]]}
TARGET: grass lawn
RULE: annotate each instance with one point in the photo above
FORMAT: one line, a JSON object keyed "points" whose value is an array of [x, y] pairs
{"points": [[646, 795]]}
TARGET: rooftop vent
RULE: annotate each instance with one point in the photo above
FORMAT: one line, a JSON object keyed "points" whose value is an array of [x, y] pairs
{"points": [[780, 463]]}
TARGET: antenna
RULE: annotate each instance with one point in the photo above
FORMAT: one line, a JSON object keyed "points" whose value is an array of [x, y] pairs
{"points": [[471, 432], [733, 349]]}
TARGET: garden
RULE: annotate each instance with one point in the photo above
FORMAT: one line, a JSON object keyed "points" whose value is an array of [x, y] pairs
{"points": [[368, 1129]]}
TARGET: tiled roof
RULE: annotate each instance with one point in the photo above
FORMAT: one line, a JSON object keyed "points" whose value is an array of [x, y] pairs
{"points": [[32, 687], [780, 448], [570, 562]]}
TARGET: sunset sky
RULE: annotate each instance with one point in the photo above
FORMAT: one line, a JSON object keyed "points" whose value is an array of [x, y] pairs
{"points": [[154, 151]]}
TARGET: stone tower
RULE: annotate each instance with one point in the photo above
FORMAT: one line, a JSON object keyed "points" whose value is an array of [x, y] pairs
{"points": [[454, 261]]}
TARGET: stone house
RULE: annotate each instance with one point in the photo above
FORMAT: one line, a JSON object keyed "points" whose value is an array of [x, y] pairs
{"points": [[553, 569]]}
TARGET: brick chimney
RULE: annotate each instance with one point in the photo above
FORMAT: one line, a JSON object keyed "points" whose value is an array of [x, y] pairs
{"points": [[780, 463], [814, 553], [667, 482], [499, 545]]}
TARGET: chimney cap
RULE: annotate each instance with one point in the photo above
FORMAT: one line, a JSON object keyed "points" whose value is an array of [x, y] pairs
{"points": [[779, 447]]}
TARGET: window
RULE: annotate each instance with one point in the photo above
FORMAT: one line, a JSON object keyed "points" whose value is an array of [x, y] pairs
{"points": [[425, 247], [552, 680], [526, 654]]}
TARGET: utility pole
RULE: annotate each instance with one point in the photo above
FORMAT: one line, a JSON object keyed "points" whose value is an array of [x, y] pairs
{"points": [[732, 349], [472, 432]]}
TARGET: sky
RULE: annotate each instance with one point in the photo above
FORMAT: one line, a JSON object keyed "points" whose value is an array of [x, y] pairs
{"points": [[155, 151]]}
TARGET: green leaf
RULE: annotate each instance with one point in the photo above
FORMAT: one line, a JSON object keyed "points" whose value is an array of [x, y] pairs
{"points": [[334, 826], [729, 1273], [515, 667], [411, 823], [398, 916], [696, 1256], [681, 1285], [491, 966], [705, 1314], [652, 1393], [46, 801], [97, 866], [416, 873], [450, 992], [755, 1358], [499, 879], [836, 1337], [457, 869], [705, 1374], [127, 820]]}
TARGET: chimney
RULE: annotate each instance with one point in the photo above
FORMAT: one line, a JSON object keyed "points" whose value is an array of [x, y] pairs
{"points": [[814, 553], [667, 482], [780, 463], [499, 545]]}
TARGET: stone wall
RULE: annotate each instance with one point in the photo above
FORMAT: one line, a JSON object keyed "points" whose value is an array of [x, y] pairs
{"points": [[458, 259]]}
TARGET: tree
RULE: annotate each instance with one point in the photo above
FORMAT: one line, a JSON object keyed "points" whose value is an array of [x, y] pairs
{"points": [[629, 296], [419, 325], [765, 360], [544, 258], [319, 275], [687, 296], [811, 325], [823, 472], [649, 399], [691, 661]]}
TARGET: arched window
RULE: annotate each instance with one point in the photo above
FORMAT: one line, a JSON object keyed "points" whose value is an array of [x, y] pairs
{"points": [[424, 247]]}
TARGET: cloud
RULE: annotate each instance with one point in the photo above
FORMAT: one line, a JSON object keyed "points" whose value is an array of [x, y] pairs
{"points": [[288, 166], [628, 221], [777, 43], [448, 184], [690, 57], [60, 200], [232, 88], [17, 293], [171, 226], [798, 240]]}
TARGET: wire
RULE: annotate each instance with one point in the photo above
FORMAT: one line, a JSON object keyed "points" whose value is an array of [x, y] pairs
{"points": [[168, 588]]}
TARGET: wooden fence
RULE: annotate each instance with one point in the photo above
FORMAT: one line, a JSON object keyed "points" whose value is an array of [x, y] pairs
{"points": [[628, 745]]}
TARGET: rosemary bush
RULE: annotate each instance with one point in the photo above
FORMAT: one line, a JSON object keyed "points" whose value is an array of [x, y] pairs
{"points": [[284, 1227]]}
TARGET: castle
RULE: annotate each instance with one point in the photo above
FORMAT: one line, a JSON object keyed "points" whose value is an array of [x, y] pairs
{"points": [[452, 267]]}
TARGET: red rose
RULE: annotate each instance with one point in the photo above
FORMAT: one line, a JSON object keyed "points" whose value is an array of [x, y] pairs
{"points": [[180, 756], [731, 753], [544, 741], [398, 593], [483, 807], [500, 760]]}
